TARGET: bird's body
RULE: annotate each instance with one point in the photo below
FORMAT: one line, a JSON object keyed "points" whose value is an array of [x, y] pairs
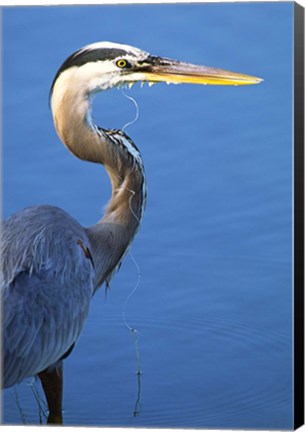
{"points": [[47, 289], [51, 264]]}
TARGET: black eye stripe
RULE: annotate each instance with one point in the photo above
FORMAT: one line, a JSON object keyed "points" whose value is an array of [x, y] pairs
{"points": [[82, 57], [91, 55]]}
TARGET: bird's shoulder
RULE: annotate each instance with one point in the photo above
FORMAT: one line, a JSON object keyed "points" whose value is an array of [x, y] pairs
{"points": [[45, 240]]}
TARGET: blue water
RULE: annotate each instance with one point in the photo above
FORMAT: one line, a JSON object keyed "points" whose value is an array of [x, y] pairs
{"points": [[213, 305]]}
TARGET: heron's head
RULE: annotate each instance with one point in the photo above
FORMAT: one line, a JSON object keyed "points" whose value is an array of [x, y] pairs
{"points": [[104, 65]]}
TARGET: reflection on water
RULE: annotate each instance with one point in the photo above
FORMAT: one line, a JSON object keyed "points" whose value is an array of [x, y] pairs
{"points": [[137, 407], [213, 307], [178, 392]]}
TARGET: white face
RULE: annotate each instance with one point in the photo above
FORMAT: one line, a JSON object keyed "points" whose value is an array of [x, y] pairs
{"points": [[98, 75], [103, 75]]}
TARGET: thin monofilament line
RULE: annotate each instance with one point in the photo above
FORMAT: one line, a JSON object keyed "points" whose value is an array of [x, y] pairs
{"points": [[131, 294], [133, 331], [130, 206], [137, 110]]}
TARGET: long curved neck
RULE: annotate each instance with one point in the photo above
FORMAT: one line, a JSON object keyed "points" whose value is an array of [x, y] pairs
{"points": [[111, 236]]}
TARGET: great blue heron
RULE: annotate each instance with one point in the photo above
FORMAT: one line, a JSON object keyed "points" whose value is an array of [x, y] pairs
{"points": [[52, 266]]}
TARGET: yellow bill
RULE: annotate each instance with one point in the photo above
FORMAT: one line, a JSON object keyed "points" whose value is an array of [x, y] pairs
{"points": [[175, 72]]}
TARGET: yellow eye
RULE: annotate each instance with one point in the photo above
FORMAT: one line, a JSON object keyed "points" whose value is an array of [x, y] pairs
{"points": [[121, 63]]}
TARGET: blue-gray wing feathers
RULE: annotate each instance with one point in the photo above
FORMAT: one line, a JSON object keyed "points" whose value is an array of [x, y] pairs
{"points": [[46, 289]]}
